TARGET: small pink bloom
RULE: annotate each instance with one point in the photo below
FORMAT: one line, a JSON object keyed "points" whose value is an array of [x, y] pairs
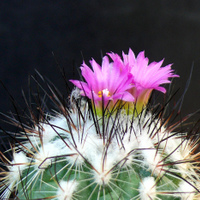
{"points": [[146, 77], [109, 82]]}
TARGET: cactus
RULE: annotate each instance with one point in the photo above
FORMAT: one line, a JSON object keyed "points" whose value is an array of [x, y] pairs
{"points": [[105, 147]]}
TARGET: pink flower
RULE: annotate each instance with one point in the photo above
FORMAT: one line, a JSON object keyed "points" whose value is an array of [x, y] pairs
{"points": [[146, 77], [130, 79], [109, 82]]}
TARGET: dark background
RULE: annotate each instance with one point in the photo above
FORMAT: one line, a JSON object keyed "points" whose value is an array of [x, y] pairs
{"points": [[31, 30]]}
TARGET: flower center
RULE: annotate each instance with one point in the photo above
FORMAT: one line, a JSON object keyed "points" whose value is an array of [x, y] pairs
{"points": [[104, 92]]}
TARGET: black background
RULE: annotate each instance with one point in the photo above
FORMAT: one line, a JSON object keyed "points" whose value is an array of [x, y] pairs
{"points": [[31, 30]]}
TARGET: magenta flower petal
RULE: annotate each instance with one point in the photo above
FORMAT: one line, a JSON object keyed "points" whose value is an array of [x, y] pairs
{"points": [[126, 96], [88, 74], [85, 90]]}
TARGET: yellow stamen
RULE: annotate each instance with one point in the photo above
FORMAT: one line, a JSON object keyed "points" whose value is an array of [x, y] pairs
{"points": [[104, 91]]}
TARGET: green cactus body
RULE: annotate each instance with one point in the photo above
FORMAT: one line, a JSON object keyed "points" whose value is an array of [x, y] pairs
{"points": [[79, 155]]}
